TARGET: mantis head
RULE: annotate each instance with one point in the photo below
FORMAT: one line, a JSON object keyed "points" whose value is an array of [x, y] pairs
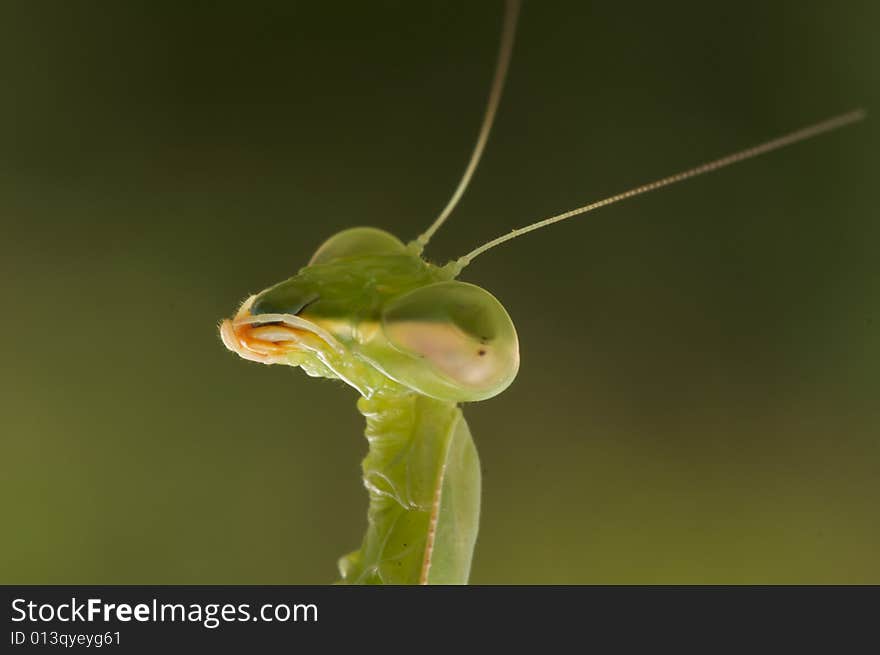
{"points": [[369, 310]]}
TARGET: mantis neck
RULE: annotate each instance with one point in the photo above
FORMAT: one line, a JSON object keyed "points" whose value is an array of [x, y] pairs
{"points": [[423, 476]]}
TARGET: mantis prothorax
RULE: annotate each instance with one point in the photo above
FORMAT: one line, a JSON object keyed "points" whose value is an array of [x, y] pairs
{"points": [[415, 342]]}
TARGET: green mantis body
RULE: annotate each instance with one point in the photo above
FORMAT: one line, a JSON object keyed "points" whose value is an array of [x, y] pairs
{"points": [[414, 342], [423, 476]]}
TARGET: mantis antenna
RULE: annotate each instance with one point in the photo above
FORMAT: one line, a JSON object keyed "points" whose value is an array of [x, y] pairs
{"points": [[511, 11], [768, 146]]}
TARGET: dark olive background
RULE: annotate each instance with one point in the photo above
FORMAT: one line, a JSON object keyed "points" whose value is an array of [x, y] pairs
{"points": [[698, 397]]}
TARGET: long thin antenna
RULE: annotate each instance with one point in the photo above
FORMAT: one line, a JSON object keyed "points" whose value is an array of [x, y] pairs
{"points": [[511, 12], [748, 153]]}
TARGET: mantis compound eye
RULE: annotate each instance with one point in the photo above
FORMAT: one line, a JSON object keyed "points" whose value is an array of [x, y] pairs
{"points": [[457, 333], [357, 242]]}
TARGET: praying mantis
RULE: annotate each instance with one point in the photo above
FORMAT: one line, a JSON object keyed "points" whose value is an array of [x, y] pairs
{"points": [[415, 342]]}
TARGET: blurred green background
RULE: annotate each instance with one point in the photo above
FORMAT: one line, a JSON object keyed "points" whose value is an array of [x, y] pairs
{"points": [[698, 397]]}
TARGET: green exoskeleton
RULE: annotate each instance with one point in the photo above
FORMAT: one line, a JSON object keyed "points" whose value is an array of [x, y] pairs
{"points": [[414, 342]]}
